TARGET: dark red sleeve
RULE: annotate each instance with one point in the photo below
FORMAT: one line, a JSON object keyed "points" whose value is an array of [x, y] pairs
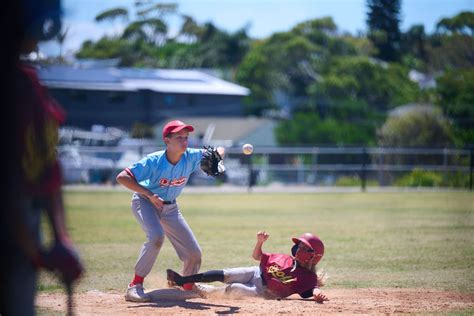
{"points": [[38, 134], [48, 104]]}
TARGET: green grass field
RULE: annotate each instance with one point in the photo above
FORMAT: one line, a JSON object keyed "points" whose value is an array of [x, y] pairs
{"points": [[417, 239]]}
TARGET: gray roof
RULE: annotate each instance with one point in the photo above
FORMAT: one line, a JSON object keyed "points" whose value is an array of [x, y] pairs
{"points": [[133, 79]]}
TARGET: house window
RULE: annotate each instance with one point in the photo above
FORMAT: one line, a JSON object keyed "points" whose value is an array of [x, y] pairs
{"points": [[191, 100], [78, 95], [116, 97], [169, 99]]}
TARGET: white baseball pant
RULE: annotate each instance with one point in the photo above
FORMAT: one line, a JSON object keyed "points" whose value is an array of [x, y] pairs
{"points": [[157, 224], [244, 281]]}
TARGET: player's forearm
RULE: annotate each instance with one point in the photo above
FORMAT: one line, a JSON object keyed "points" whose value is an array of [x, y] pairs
{"points": [[55, 211], [257, 251], [62, 257], [22, 234], [130, 183]]}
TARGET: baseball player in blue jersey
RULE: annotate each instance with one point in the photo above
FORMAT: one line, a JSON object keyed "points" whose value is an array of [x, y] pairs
{"points": [[157, 180]]}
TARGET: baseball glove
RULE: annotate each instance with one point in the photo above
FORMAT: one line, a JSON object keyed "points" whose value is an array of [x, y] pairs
{"points": [[211, 162]]}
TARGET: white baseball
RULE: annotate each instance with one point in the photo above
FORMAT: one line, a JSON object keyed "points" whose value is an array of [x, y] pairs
{"points": [[247, 149]]}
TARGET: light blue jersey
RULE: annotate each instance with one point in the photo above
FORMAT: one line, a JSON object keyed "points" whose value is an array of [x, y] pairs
{"points": [[158, 175]]}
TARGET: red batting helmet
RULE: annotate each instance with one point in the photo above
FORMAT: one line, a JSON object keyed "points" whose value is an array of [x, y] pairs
{"points": [[312, 242]]}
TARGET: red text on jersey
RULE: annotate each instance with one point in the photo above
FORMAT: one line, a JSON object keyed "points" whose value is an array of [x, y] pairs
{"points": [[172, 183]]}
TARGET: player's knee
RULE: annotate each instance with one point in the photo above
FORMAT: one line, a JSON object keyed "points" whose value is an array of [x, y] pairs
{"points": [[228, 289], [194, 256], [156, 240], [233, 290], [237, 290]]}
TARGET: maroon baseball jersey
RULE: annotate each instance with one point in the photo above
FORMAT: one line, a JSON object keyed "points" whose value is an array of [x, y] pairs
{"points": [[39, 119], [282, 278]]}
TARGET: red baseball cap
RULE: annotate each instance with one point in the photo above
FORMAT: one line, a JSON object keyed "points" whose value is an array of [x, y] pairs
{"points": [[174, 127]]}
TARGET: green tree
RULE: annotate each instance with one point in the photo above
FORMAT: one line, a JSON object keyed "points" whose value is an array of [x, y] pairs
{"points": [[190, 29], [463, 23], [152, 30], [381, 86], [286, 63], [455, 51], [307, 128], [221, 49], [112, 15], [134, 31], [256, 73], [104, 48], [150, 9], [452, 46], [361, 45], [414, 42], [152, 20], [145, 43], [418, 127], [456, 96], [140, 39], [383, 20]]}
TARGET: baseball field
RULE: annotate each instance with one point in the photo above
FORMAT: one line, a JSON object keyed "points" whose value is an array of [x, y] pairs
{"points": [[397, 252]]}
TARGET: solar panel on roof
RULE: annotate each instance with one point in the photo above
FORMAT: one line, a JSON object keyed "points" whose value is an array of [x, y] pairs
{"points": [[160, 80], [57, 73]]}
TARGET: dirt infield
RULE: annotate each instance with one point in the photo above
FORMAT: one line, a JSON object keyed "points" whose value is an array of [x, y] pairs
{"points": [[342, 301]]}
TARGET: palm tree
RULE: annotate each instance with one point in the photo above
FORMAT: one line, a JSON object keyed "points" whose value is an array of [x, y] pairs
{"points": [[61, 38], [112, 15], [190, 30]]}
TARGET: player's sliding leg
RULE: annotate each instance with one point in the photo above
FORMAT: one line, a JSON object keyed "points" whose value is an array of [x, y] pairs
{"points": [[236, 290], [175, 278]]}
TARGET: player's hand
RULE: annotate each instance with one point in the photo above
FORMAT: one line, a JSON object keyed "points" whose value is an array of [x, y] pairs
{"points": [[319, 296], [156, 201], [221, 151], [64, 260], [262, 236]]}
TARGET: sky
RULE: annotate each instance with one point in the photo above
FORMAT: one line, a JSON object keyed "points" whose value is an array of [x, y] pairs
{"points": [[264, 17]]}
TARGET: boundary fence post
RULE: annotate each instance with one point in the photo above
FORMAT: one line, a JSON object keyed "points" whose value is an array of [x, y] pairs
{"points": [[363, 176]]}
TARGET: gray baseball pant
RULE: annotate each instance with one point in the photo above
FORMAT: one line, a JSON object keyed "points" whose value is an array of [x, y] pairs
{"points": [[244, 281], [157, 224]]}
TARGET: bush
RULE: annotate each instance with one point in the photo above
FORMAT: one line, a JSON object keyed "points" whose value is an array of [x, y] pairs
{"points": [[354, 181], [416, 126], [458, 180], [421, 178]]}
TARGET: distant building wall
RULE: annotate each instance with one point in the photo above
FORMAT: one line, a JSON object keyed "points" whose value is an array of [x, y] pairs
{"points": [[123, 108], [173, 105], [111, 108]]}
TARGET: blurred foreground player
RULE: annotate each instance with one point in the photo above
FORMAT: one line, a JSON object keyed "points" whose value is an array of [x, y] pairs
{"points": [[29, 135]]}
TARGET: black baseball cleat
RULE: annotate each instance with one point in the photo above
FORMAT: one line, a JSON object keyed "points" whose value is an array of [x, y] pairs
{"points": [[173, 278]]}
